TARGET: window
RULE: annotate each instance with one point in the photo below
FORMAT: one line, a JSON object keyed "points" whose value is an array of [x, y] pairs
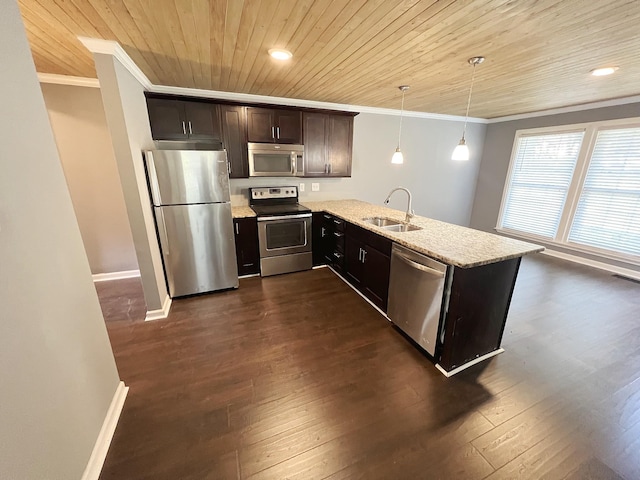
{"points": [[540, 178], [577, 186]]}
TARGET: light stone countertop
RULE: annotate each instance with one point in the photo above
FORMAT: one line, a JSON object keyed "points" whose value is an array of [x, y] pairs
{"points": [[455, 245], [242, 211]]}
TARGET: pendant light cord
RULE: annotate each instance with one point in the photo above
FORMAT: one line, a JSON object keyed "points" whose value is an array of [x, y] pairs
{"points": [[401, 112], [466, 117]]}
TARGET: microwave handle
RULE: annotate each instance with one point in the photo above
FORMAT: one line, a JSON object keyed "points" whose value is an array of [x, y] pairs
{"points": [[294, 164]]}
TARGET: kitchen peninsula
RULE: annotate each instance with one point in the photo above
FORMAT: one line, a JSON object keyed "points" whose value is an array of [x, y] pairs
{"points": [[481, 271]]}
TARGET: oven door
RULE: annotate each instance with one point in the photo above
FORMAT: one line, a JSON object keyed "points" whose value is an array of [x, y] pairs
{"points": [[284, 235]]}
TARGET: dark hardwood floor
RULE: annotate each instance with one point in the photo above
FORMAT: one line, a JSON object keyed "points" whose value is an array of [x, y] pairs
{"points": [[297, 377]]}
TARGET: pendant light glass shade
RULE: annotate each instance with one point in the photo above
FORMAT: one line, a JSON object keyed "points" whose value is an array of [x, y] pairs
{"points": [[398, 158], [461, 152]]}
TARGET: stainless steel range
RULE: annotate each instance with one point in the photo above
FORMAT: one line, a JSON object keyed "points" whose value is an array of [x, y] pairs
{"points": [[284, 230]]}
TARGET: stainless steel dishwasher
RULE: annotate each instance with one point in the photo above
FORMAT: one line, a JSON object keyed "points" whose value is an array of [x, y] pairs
{"points": [[416, 295]]}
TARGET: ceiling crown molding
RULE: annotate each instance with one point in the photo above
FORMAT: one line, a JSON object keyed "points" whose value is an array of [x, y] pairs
{"points": [[111, 47], [573, 108], [68, 80]]}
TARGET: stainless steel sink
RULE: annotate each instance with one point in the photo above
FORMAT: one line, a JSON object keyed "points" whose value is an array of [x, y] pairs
{"points": [[402, 227], [381, 221], [390, 224]]}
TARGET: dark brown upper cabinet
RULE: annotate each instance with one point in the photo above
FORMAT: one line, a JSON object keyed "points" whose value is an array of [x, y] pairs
{"points": [[184, 120], [234, 139], [328, 144], [271, 125]]}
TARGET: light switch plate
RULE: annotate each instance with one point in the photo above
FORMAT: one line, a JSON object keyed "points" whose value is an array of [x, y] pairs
{"points": [[301, 187], [315, 187]]}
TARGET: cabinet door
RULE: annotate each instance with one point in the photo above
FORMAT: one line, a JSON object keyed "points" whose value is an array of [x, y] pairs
{"points": [[260, 125], [203, 121], [288, 126], [247, 252], [315, 144], [353, 261], [167, 119], [339, 145], [376, 276], [234, 139], [320, 235]]}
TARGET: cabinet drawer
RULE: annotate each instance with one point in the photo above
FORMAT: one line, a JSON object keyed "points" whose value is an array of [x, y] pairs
{"points": [[338, 238], [382, 244], [339, 224]]}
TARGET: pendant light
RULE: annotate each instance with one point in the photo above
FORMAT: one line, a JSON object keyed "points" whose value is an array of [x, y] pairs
{"points": [[397, 156], [461, 152]]}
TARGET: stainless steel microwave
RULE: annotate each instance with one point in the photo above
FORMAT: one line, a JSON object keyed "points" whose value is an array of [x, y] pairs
{"points": [[271, 160]]}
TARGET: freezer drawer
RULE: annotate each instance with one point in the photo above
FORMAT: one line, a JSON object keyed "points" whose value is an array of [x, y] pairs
{"points": [[180, 177], [416, 289], [198, 247]]}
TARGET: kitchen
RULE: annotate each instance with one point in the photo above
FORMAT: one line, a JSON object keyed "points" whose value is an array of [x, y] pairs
{"points": [[373, 138]]}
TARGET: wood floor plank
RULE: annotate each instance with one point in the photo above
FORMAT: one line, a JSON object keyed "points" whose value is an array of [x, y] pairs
{"points": [[295, 376]]}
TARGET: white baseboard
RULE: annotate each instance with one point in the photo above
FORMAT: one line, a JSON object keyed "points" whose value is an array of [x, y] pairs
{"points": [[625, 272], [468, 364], [161, 313], [105, 277], [101, 447]]}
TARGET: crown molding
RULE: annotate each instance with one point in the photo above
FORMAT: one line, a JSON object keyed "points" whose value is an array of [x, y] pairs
{"points": [[295, 102], [574, 108], [68, 80], [113, 48]]}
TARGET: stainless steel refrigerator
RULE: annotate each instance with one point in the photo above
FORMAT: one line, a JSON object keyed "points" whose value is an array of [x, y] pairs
{"points": [[191, 203]]}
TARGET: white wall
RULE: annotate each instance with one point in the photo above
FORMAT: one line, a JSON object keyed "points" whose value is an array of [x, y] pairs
{"points": [[441, 188], [126, 112], [57, 372], [84, 144]]}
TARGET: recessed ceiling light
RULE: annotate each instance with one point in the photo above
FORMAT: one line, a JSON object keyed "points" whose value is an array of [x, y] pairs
{"points": [[599, 72], [280, 54]]}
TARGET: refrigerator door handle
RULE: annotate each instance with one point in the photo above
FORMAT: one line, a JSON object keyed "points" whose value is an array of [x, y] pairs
{"points": [[162, 230]]}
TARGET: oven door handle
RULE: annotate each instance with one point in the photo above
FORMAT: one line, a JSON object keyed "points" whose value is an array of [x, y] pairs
{"points": [[284, 217]]}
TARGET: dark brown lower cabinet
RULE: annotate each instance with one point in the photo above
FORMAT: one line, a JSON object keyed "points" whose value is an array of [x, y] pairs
{"points": [[247, 251], [478, 308], [367, 263]]}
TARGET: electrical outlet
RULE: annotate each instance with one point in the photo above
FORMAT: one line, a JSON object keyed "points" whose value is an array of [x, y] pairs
{"points": [[315, 187], [301, 187]]}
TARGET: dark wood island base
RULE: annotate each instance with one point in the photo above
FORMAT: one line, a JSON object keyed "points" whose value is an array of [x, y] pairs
{"points": [[476, 315]]}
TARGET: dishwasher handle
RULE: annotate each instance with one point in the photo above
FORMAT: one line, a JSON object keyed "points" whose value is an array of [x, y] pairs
{"points": [[419, 266]]}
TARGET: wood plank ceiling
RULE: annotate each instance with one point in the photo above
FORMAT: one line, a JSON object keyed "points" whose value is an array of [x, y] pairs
{"points": [[539, 52]]}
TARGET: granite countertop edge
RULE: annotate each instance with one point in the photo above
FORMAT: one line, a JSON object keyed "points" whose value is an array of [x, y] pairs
{"points": [[478, 247], [473, 248]]}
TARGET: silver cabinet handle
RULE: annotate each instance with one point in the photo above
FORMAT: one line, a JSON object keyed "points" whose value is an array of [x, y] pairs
{"points": [[328, 217], [330, 168], [278, 132], [338, 234], [360, 255], [184, 128], [323, 232], [364, 255], [337, 222], [190, 130], [229, 168], [273, 132], [237, 231]]}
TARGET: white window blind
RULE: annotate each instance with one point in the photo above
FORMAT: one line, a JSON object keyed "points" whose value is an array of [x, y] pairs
{"points": [[541, 174], [608, 211]]}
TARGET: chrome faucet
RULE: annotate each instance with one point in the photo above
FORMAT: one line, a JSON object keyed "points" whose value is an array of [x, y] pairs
{"points": [[410, 212]]}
